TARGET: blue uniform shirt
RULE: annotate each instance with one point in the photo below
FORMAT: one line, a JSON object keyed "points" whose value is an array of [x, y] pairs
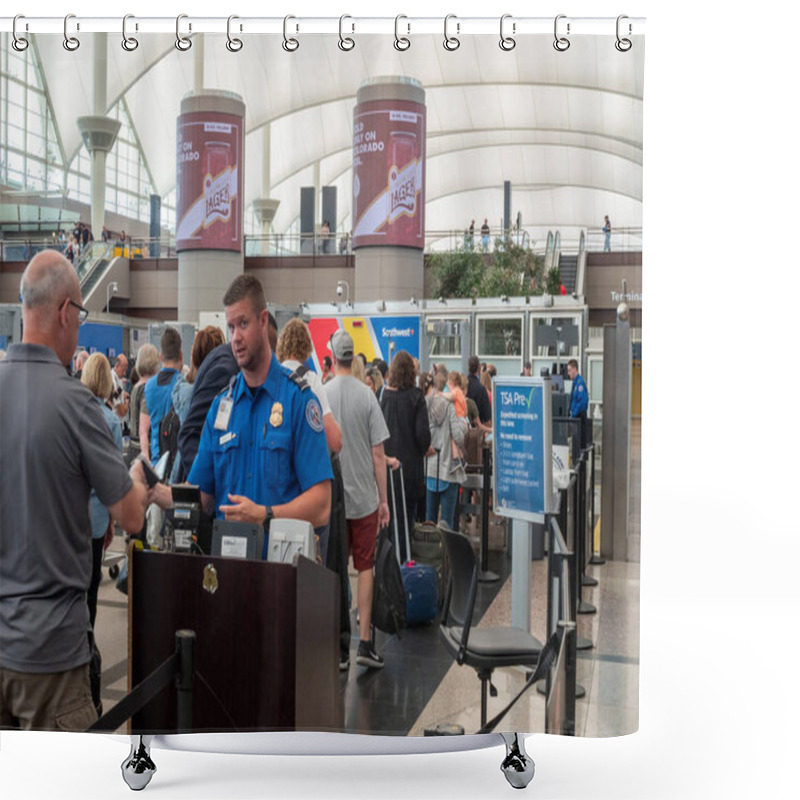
{"points": [[579, 399], [273, 448]]}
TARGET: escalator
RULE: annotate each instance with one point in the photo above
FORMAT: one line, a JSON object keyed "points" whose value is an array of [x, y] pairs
{"points": [[92, 265], [568, 267]]}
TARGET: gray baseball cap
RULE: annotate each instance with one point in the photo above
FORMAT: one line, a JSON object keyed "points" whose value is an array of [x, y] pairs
{"points": [[342, 345]]}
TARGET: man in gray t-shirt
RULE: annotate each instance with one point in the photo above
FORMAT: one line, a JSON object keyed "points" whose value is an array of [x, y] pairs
{"points": [[55, 446], [363, 461]]}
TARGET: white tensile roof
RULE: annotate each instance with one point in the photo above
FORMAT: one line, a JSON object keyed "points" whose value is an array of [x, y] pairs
{"points": [[564, 127]]}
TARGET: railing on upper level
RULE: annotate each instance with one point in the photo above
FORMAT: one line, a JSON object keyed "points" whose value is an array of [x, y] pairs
{"points": [[571, 240]]}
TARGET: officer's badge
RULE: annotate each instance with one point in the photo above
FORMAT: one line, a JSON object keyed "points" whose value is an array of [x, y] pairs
{"points": [[210, 581], [314, 415], [276, 416]]}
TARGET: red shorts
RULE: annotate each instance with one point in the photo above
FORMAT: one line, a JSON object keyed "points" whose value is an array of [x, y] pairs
{"points": [[362, 534]]}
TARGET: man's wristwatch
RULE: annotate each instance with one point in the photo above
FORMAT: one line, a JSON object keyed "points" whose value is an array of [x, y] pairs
{"points": [[268, 518]]}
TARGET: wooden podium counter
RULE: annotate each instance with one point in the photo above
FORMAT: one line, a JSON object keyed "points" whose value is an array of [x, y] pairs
{"points": [[267, 641]]}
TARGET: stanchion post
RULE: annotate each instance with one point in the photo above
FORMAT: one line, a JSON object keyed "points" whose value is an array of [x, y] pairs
{"points": [[185, 645], [596, 559], [484, 575]]}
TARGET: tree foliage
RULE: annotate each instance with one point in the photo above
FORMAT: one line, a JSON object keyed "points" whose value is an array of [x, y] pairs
{"points": [[514, 271]]}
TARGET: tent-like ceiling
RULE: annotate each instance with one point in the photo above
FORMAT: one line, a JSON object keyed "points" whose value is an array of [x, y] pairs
{"points": [[565, 128]]}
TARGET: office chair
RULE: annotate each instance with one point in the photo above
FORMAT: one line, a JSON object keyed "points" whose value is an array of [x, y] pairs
{"points": [[483, 649]]}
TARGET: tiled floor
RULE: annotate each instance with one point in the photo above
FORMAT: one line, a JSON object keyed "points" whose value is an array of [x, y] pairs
{"points": [[421, 687]]}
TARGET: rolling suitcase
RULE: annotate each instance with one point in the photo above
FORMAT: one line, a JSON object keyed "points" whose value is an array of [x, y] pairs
{"points": [[420, 581]]}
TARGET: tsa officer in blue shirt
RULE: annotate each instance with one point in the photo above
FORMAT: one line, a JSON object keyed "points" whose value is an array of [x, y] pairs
{"points": [[262, 452], [579, 399]]}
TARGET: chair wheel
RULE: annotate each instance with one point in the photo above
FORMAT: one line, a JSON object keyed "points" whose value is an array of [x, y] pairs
{"points": [[113, 571]]}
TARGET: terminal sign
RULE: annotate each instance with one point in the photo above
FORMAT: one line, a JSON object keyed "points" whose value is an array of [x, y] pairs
{"points": [[522, 445]]}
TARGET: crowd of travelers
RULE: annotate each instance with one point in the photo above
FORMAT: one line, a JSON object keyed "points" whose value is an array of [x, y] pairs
{"points": [[328, 441]]}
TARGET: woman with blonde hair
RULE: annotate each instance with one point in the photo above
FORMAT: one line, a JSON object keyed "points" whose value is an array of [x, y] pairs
{"points": [[147, 365], [96, 377]]}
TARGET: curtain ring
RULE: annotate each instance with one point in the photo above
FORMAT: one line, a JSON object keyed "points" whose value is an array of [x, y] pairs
{"points": [[129, 43], [561, 43], [401, 43], [623, 45], [70, 42], [290, 44], [346, 43], [451, 42], [233, 44], [19, 43], [507, 42], [183, 43]]}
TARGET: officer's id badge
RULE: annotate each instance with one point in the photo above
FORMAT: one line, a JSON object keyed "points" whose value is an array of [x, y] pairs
{"points": [[223, 417], [314, 415], [276, 415]]}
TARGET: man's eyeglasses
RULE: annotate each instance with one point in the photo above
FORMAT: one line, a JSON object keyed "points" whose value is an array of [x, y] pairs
{"points": [[83, 313]]}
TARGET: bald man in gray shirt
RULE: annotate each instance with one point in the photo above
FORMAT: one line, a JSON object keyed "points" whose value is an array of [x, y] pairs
{"points": [[55, 446]]}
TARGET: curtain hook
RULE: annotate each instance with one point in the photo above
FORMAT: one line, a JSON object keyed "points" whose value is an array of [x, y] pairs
{"points": [[451, 42], [70, 42], [401, 43], [507, 42], [561, 43], [129, 43], [623, 45], [183, 43], [233, 44], [346, 43], [290, 44], [19, 43]]}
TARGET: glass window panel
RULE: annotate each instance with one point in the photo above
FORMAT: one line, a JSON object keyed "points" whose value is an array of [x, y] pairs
{"points": [[16, 113], [16, 63], [16, 138], [36, 122], [500, 337], [545, 344], [36, 146], [16, 93]]}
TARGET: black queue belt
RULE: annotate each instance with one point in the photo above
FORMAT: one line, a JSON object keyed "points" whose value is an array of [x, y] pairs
{"points": [[178, 668]]}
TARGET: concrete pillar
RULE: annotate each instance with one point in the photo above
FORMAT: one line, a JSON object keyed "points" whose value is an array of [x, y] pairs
{"points": [[99, 132], [389, 189], [210, 181]]}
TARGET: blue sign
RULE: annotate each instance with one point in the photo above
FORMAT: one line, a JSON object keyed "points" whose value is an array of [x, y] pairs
{"points": [[402, 332], [95, 336], [522, 421]]}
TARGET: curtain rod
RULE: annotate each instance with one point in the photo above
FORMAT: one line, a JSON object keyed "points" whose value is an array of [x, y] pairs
{"points": [[451, 26]]}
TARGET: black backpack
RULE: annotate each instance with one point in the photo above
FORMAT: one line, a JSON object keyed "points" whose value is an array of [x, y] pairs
{"points": [[168, 431], [389, 596]]}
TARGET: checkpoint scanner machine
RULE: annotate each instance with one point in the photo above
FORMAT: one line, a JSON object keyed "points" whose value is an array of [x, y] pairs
{"points": [[188, 527]]}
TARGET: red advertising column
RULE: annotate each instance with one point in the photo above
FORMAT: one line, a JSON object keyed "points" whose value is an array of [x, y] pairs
{"points": [[389, 188], [210, 199]]}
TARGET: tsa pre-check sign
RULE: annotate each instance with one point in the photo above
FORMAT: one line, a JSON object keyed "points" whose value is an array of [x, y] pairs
{"points": [[522, 445]]}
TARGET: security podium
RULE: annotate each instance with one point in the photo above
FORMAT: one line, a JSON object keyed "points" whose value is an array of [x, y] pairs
{"points": [[267, 650]]}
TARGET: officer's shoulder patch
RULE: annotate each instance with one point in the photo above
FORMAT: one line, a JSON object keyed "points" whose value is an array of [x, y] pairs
{"points": [[580, 387], [298, 379], [314, 414]]}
